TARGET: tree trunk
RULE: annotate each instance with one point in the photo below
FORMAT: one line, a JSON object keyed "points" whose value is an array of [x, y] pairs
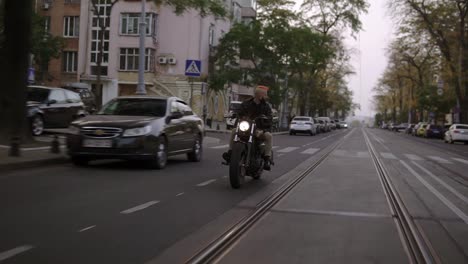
{"points": [[14, 67]]}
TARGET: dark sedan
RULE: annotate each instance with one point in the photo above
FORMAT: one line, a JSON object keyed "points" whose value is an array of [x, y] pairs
{"points": [[52, 108], [434, 131], [138, 128]]}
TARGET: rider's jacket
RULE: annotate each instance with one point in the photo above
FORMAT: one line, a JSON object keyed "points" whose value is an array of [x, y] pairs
{"points": [[252, 110]]}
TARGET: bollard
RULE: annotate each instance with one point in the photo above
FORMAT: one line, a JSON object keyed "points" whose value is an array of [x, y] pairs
{"points": [[15, 147], [55, 147], [217, 127]]}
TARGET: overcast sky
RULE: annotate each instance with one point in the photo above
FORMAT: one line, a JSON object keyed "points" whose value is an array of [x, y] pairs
{"points": [[370, 59]]}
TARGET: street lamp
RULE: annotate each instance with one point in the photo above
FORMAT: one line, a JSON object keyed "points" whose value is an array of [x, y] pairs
{"points": [[141, 89]]}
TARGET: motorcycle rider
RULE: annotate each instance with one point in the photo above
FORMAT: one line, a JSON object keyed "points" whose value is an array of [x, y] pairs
{"points": [[253, 108]]}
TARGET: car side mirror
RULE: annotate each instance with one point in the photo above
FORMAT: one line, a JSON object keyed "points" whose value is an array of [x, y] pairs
{"points": [[51, 102]]}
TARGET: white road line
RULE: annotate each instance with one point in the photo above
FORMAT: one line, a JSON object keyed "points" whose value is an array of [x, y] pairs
{"points": [[439, 159], [180, 194], [206, 183], [448, 187], [275, 147], [287, 150], [221, 147], [387, 155], [310, 151], [86, 228], [461, 160], [139, 207], [13, 252], [280, 155], [225, 177], [442, 198], [413, 157]]}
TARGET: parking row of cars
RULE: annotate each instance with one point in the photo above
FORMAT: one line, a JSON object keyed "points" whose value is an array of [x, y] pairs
{"points": [[450, 133], [313, 126]]}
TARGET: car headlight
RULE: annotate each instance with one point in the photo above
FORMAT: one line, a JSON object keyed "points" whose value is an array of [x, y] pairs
{"points": [[139, 131], [74, 130], [244, 126]]}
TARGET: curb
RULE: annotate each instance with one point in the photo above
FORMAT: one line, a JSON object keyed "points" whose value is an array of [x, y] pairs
{"points": [[34, 163]]}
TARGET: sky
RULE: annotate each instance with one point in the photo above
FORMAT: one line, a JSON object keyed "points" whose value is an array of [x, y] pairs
{"points": [[369, 60]]}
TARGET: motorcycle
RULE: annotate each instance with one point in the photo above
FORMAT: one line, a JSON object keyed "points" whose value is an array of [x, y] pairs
{"points": [[248, 151]]}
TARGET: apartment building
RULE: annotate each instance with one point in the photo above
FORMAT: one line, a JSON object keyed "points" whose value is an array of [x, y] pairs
{"points": [[62, 19]]}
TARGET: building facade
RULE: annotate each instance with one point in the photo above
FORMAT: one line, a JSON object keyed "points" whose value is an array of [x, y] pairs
{"points": [[62, 19]]}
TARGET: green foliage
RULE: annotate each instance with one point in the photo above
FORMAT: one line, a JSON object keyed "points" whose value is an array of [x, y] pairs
{"points": [[44, 46], [205, 7]]}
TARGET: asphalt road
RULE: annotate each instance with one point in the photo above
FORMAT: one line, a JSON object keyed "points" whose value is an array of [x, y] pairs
{"points": [[119, 212]]}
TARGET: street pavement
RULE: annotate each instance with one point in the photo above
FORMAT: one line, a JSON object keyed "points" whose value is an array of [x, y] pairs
{"points": [[119, 212]]}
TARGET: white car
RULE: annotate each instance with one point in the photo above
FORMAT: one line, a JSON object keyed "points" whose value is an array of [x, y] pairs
{"points": [[457, 133], [303, 124]]}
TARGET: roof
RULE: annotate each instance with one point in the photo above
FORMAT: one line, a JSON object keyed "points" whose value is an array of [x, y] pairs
{"points": [[149, 97]]}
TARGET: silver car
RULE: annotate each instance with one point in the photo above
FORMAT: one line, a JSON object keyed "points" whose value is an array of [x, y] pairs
{"points": [[303, 124]]}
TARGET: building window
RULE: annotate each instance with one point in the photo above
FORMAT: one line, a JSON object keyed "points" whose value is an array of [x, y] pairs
{"points": [[100, 28], [70, 61], [129, 59], [71, 26], [130, 23], [211, 35]]}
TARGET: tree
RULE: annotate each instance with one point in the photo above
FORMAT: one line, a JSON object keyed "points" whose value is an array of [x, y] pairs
{"points": [[15, 46], [46, 46]]}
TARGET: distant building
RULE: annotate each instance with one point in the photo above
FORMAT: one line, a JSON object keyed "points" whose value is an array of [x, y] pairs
{"points": [[62, 19]]}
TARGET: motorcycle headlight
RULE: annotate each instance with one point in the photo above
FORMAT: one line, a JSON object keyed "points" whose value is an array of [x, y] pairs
{"points": [[135, 132], [244, 126]]}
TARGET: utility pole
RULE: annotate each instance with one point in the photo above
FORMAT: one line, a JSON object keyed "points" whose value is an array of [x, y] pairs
{"points": [[141, 89]]}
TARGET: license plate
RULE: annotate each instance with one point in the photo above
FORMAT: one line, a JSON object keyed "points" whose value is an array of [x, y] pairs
{"points": [[97, 143]]}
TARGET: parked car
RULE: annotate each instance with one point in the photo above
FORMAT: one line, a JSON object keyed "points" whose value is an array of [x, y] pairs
{"points": [[457, 133], [332, 125], [384, 126], [337, 123], [138, 128], [87, 96], [400, 127], [49, 107], [303, 124], [326, 123], [409, 129], [343, 124], [422, 130], [417, 127], [434, 131], [231, 117]]}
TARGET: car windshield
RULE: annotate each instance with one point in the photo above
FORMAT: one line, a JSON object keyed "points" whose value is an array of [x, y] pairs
{"points": [[135, 107], [37, 94], [301, 119]]}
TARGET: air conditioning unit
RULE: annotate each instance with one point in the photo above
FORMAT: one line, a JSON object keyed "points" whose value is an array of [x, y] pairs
{"points": [[46, 6], [162, 60], [172, 61]]}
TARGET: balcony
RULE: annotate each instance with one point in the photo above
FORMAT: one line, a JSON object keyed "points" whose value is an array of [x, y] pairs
{"points": [[248, 12]]}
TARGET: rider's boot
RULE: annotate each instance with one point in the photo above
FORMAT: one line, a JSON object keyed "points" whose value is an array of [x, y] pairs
{"points": [[227, 156], [267, 164]]}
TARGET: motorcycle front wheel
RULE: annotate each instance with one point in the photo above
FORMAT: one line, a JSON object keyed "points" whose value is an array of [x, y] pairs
{"points": [[236, 167]]}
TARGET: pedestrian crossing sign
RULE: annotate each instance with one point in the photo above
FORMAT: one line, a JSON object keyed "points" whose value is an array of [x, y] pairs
{"points": [[193, 68]]}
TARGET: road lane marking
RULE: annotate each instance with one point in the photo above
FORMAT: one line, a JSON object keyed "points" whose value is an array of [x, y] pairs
{"points": [[363, 154], [439, 159], [139, 207], [275, 147], [448, 187], [180, 194], [225, 177], [461, 160], [221, 147], [280, 155], [86, 228], [206, 183], [310, 151], [387, 155], [287, 150], [13, 252], [442, 198], [413, 157]]}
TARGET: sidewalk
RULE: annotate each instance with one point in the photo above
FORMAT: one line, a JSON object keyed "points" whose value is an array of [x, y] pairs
{"points": [[31, 157]]}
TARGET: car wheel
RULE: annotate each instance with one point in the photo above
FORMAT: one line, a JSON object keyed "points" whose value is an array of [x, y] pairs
{"points": [[197, 151], [79, 161], [160, 160], [311, 133], [451, 141], [37, 125]]}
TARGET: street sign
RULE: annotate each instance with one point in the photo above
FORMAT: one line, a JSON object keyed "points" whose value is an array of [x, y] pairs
{"points": [[440, 91], [193, 68]]}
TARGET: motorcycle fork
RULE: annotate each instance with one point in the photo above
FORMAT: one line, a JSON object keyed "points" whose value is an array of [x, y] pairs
{"points": [[249, 145]]}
